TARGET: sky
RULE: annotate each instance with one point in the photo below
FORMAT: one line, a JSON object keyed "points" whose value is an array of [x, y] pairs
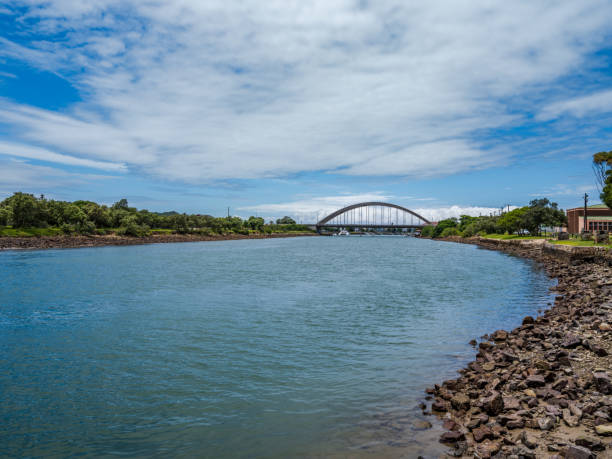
{"points": [[300, 107]]}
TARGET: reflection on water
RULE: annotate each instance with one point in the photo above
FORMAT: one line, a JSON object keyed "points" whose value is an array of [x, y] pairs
{"points": [[265, 348]]}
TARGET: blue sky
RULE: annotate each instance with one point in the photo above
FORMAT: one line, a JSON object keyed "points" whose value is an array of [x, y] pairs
{"points": [[280, 107]]}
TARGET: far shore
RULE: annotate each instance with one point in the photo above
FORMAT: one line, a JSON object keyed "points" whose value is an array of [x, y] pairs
{"points": [[77, 241]]}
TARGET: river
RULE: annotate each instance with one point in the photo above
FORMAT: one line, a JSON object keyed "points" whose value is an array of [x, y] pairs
{"points": [[298, 347]]}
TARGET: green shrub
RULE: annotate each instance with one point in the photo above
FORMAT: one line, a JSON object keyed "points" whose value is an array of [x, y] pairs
{"points": [[427, 231], [450, 231]]}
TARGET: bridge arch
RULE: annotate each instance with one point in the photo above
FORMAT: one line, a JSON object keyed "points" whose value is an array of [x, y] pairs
{"points": [[325, 221]]}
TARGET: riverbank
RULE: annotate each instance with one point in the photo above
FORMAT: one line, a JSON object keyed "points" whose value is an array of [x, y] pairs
{"points": [[544, 388], [77, 241]]}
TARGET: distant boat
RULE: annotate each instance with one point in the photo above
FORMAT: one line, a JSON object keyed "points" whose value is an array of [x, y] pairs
{"points": [[342, 233]]}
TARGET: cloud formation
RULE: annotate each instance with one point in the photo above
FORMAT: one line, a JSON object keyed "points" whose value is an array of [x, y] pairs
{"points": [[199, 91], [311, 210]]}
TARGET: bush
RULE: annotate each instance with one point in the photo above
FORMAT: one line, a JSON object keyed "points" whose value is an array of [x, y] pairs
{"points": [[427, 231], [446, 232], [470, 230], [68, 229]]}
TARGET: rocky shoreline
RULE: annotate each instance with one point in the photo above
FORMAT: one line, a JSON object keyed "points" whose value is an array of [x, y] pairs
{"points": [[544, 388], [70, 242]]}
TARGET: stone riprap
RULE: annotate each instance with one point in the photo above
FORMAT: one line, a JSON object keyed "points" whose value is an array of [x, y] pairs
{"points": [[543, 389]]}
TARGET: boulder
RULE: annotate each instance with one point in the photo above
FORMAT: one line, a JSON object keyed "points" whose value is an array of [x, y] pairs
{"points": [[460, 402], [452, 437], [483, 433], [493, 404], [578, 452], [602, 382], [571, 342], [535, 381], [604, 429], [546, 423]]}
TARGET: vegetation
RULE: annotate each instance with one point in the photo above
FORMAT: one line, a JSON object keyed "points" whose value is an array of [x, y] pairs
{"points": [[602, 165], [24, 214], [527, 220]]}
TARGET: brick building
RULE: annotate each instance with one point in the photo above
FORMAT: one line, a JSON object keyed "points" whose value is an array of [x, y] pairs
{"points": [[599, 218]]}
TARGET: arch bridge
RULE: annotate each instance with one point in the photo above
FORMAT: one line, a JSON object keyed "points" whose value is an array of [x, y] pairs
{"points": [[373, 215]]}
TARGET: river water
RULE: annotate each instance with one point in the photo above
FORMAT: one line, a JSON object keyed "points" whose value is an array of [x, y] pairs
{"points": [[299, 347]]}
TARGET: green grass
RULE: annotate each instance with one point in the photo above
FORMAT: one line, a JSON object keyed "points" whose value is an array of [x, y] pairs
{"points": [[29, 232], [512, 236], [579, 243], [161, 231]]}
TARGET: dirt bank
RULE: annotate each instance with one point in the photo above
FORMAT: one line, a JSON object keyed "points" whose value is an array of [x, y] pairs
{"points": [[65, 242], [544, 388]]}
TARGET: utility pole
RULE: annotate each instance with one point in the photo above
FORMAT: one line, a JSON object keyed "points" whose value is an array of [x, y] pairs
{"points": [[586, 199], [228, 216]]}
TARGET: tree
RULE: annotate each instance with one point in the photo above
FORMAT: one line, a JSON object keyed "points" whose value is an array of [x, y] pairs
{"points": [[286, 220], [255, 223], [24, 209], [443, 224], [122, 204], [542, 212], [602, 166], [512, 221]]}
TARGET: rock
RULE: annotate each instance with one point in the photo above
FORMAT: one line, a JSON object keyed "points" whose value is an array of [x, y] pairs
{"points": [[494, 404], [598, 350], [546, 423], [500, 335], [541, 365], [529, 393], [578, 452], [421, 425], [604, 429], [571, 342], [602, 382], [460, 402], [452, 437], [571, 421], [528, 441], [535, 381], [593, 444], [605, 327], [511, 403], [528, 320], [440, 406], [473, 342], [449, 424], [515, 423], [489, 366], [483, 433], [488, 449]]}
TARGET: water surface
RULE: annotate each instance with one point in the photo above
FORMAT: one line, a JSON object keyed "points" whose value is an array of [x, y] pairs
{"points": [[304, 347]]}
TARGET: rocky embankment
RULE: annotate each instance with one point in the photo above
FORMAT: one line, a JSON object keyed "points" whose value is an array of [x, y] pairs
{"points": [[66, 242], [542, 390]]}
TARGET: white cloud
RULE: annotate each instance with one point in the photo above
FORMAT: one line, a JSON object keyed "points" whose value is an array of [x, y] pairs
{"points": [[440, 213], [593, 104], [198, 91], [19, 175], [311, 210], [42, 154]]}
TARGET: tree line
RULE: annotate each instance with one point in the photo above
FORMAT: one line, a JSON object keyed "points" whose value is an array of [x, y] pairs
{"points": [[540, 213], [22, 210]]}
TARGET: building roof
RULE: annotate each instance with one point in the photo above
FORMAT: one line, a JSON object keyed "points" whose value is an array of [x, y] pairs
{"points": [[594, 206]]}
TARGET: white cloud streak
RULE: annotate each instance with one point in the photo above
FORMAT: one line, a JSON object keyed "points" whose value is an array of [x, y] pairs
{"points": [[593, 104], [42, 154], [199, 91]]}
